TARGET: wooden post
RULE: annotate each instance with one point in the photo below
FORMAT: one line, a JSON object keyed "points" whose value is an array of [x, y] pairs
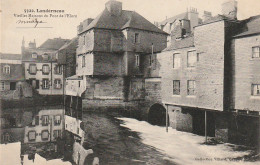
{"points": [[206, 127], [166, 118]]}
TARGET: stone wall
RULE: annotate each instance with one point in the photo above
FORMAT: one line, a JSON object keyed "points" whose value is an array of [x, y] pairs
{"points": [[247, 72]]}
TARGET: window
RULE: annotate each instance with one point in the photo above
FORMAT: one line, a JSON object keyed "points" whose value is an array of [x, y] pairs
{"points": [[256, 52], [45, 84], [6, 69], [176, 61], [136, 38], [176, 87], [79, 83], [45, 56], [32, 69], [191, 87], [255, 89], [56, 133], [191, 59], [31, 135], [12, 85], [83, 61], [34, 55], [45, 135], [150, 60], [45, 69], [57, 120], [45, 120], [137, 60], [6, 137], [57, 83], [2, 86], [58, 69]]}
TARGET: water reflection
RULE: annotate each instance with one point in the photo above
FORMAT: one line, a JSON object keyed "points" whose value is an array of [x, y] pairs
{"points": [[42, 135]]}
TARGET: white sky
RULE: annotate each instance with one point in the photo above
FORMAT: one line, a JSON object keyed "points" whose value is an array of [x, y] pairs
{"points": [[153, 10]]}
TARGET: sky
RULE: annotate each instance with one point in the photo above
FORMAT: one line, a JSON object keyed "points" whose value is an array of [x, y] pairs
{"points": [[153, 10]]}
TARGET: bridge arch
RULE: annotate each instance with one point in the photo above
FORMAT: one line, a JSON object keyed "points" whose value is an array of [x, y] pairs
{"points": [[157, 115]]}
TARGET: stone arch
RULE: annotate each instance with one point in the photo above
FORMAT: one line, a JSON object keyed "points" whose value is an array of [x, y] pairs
{"points": [[157, 115]]}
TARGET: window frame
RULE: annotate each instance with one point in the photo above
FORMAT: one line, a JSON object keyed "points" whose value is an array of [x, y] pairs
{"points": [[257, 92], [2, 85], [174, 89], [7, 69], [195, 61], [137, 60], [58, 69], [58, 132], [253, 53], [30, 69], [43, 69], [47, 85], [189, 93], [136, 38], [29, 135], [55, 120], [83, 61], [45, 123], [174, 59], [55, 83], [45, 139]]}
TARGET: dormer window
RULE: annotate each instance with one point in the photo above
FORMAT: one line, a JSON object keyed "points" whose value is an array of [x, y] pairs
{"points": [[6, 69], [34, 55], [45, 56]]}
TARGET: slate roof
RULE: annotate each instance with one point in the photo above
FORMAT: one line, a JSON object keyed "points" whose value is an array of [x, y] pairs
{"points": [[250, 26], [53, 44], [179, 44], [127, 19], [174, 18], [8, 56]]}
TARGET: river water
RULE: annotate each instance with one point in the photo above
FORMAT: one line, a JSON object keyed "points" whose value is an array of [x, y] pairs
{"points": [[114, 139]]}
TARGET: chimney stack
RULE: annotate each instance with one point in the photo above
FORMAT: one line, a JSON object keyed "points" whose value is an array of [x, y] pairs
{"points": [[206, 16], [229, 9], [114, 7]]}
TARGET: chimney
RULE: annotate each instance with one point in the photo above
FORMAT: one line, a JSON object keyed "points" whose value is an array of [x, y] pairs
{"points": [[206, 16], [114, 7], [193, 16], [229, 9]]}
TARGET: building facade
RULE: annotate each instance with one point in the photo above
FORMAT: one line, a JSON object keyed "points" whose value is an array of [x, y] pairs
{"points": [[41, 69], [212, 81], [116, 55], [12, 80]]}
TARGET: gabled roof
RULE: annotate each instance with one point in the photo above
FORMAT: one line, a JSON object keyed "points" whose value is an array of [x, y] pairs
{"points": [[53, 44], [127, 19], [174, 18], [8, 56], [250, 26]]}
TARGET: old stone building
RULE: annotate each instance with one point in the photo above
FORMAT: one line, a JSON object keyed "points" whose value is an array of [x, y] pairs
{"points": [[41, 69], [212, 75], [12, 80], [116, 58]]}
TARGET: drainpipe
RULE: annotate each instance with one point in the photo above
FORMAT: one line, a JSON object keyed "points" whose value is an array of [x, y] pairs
{"points": [[166, 118], [206, 127]]}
